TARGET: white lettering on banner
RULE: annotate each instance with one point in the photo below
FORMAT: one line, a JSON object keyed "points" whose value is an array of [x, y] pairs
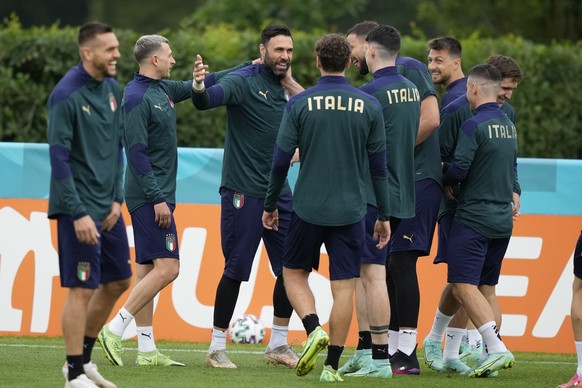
{"points": [[19, 236], [557, 308], [193, 312], [558, 305], [520, 248]]}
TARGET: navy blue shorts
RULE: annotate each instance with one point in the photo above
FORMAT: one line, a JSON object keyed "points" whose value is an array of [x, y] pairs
{"points": [[578, 258], [416, 234], [444, 230], [151, 241], [344, 246], [241, 230], [88, 266], [371, 254], [474, 258]]}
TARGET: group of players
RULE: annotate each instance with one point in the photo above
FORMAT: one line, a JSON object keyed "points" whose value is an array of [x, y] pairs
{"points": [[370, 187]]}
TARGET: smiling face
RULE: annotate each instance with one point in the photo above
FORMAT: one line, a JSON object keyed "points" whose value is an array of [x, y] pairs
{"points": [[277, 54], [508, 85], [100, 55], [165, 60], [358, 56], [441, 66]]}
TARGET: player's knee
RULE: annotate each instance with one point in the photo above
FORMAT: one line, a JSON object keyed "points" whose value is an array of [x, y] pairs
{"points": [[170, 272], [118, 287]]}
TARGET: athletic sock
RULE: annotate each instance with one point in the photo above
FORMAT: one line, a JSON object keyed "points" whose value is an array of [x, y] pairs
{"points": [[218, 340], [439, 325], [364, 340], [75, 366], [578, 345], [407, 341], [392, 342], [145, 339], [334, 353], [310, 322], [491, 338], [88, 343], [278, 337], [120, 322], [475, 339], [380, 352], [453, 342]]}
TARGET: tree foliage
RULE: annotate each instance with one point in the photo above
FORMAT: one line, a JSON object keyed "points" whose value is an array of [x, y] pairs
{"points": [[305, 15], [537, 20], [32, 60]]}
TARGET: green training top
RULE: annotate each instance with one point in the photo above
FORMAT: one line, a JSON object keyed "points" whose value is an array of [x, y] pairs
{"points": [[452, 117], [426, 154], [150, 139], [340, 132], [84, 136], [255, 101], [484, 165], [400, 102]]}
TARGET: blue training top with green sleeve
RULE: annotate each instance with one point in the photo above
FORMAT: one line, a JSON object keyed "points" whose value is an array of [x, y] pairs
{"points": [[255, 101], [340, 132], [84, 136], [400, 102], [151, 140], [426, 154], [483, 163]]}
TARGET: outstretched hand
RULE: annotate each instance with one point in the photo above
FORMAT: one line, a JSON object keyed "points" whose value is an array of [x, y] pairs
{"points": [[200, 70]]}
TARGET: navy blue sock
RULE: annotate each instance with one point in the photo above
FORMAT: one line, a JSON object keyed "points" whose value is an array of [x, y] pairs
{"points": [[88, 343], [334, 353], [310, 322], [75, 365], [380, 352], [364, 340]]}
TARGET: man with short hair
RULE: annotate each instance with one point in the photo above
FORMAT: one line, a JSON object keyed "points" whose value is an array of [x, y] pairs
{"points": [[340, 132], [484, 164], [444, 64], [453, 116], [150, 190], [84, 136], [413, 236], [255, 97], [400, 102]]}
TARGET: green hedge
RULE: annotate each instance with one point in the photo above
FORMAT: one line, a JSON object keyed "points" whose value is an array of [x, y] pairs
{"points": [[33, 60]]}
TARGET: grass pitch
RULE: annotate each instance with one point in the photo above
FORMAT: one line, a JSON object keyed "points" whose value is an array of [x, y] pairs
{"points": [[37, 361]]}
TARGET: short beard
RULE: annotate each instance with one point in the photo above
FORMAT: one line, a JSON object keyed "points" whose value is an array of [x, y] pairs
{"points": [[104, 70], [273, 67], [363, 67]]}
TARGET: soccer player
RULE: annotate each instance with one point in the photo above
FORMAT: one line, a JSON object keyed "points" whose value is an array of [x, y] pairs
{"points": [[413, 236], [86, 194], [400, 102], [453, 116], [576, 315], [150, 190], [444, 64], [340, 132], [255, 98], [484, 164]]}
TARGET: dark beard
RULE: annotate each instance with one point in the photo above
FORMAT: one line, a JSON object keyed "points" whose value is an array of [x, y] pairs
{"points": [[104, 70], [271, 66], [364, 67]]}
